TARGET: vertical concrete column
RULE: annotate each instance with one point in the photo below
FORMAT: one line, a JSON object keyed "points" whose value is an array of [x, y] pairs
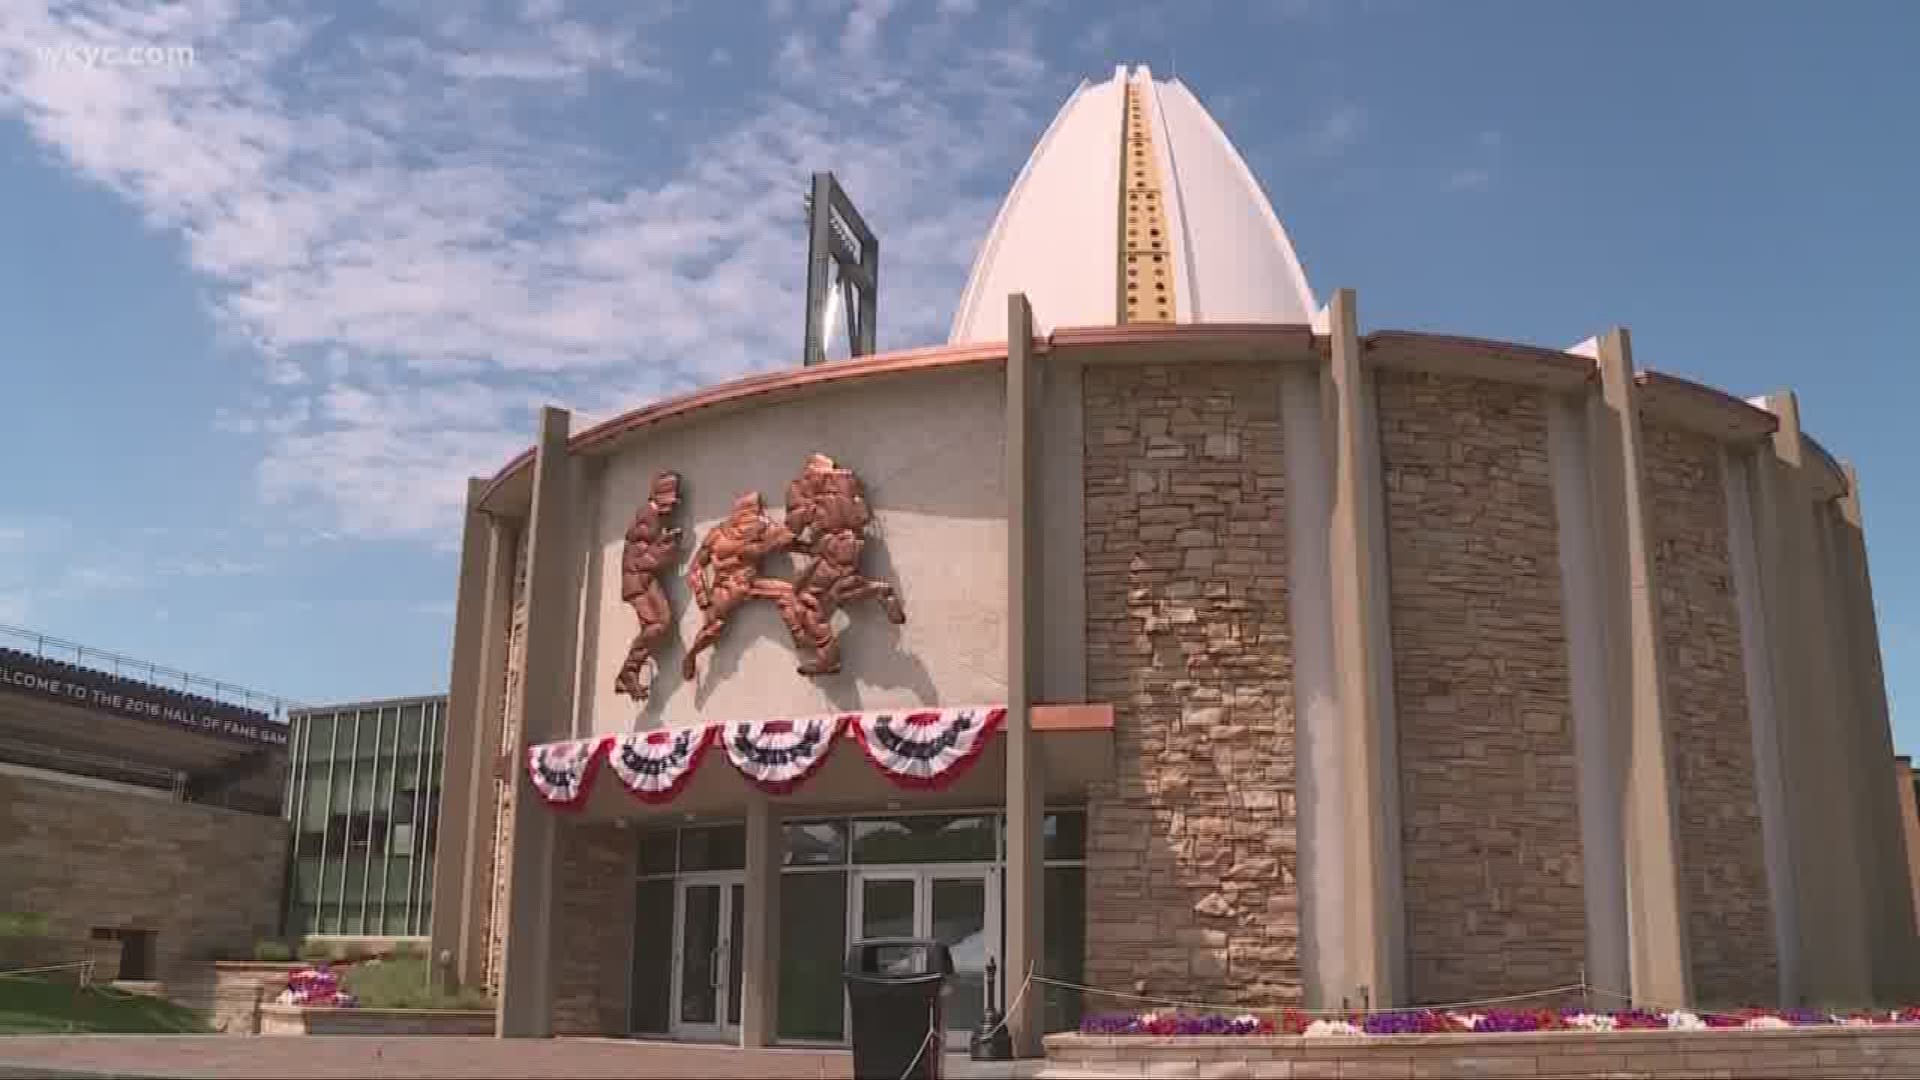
{"points": [[1745, 512], [760, 951], [588, 481], [1319, 748], [1026, 816], [475, 892], [1584, 590], [1369, 781], [451, 856], [1909, 828], [1829, 909], [526, 984], [1859, 670], [1659, 972]]}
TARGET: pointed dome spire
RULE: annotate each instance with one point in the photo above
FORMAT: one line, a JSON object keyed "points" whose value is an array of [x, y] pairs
{"points": [[1134, 207]]}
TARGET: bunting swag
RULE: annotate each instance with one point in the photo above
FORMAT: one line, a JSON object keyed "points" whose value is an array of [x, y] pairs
{"points": [[917, 749], [562, 772], [779, 755], [927, 749], [655, 765]]}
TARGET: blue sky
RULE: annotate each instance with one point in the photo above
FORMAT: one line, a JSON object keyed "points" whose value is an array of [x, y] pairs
{"points": [[264, 312]]}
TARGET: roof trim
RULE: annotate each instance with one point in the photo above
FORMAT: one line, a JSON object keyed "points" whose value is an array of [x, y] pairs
{"points": [[1706, 410], [601, 436], [1476, 358]]}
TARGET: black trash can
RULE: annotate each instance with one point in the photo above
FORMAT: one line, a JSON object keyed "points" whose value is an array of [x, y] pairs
{"points": [[893, 991]]}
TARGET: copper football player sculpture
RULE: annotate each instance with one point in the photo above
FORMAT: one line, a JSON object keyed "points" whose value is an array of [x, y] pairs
{"points": [[726, 571], [650, 547], [828, 517]]}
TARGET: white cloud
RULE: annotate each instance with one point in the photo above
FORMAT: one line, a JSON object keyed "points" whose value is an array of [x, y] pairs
{"points": [[1339, 129], [863, 25], [391, 220], [1469, 180]]}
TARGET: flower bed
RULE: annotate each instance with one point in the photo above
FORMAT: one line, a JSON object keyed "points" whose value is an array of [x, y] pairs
{"points": [[316, 987], [1426, 1042], [1491, 1021]]}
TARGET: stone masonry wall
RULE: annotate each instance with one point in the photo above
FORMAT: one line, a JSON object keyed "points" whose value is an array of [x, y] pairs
{"points": [[1191, 846], [1722, 858], [593, 928], [503, 785], [200, 877], [1490, 830]]}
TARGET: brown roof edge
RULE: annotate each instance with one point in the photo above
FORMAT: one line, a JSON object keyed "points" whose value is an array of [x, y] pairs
{"points": [[765, 383], [1460, 343]]}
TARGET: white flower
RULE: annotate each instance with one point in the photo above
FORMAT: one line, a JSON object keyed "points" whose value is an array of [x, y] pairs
{"points": [[1591, 1022], [1332, 1027], [1681, 1020], [1767, 1022], [1467, 1020]]}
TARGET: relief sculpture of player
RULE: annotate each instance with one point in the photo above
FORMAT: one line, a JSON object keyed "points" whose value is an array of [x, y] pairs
{"points": [[828, 517], [650, 547], [726, 571]]}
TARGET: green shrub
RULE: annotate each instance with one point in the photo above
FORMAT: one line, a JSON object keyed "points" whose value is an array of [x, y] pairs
{"points": [[275, 951], [23, 924], [405, 982]]}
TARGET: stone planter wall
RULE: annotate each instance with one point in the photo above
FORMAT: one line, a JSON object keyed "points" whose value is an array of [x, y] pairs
{"points": [[237, 990], [1791, 1053], [300, 1020]]}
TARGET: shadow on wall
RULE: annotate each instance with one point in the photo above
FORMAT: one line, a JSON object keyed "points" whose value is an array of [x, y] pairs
{"points": [[862, 627]]}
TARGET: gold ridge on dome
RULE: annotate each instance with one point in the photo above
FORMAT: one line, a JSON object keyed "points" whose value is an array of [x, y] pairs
{"points": [[1146, 267]]}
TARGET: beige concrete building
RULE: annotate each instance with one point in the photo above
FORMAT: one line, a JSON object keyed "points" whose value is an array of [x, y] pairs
{"points": [[1258, 658]]}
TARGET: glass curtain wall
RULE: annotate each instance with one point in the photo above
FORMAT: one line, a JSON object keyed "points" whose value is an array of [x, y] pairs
{"points": [[363, 800]]}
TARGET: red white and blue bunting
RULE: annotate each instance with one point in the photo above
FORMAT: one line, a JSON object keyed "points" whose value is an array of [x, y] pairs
{"points": [[655, 765], [926, 749], [916, 749], [779, 755], [562, 772]]}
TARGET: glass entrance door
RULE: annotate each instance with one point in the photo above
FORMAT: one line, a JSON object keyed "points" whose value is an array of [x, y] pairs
{"points": [[708, 924], [954, 905]]}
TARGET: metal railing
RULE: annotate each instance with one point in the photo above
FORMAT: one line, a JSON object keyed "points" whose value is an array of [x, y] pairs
{"points": [[127, 667]]}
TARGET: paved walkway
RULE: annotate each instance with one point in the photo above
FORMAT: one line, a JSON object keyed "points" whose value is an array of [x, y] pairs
{"points": [[225, 1057], [230, 1057]]}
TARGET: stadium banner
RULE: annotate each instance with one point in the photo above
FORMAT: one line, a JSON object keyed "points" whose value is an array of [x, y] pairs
{"points": [[52, 680]]}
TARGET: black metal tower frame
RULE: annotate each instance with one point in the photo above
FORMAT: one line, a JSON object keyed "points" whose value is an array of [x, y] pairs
{"points": [[841, 252]]}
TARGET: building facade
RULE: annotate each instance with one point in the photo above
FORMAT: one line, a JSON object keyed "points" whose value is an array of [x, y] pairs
{"points": [[1164, 633], [364, 796], [140, 819]]}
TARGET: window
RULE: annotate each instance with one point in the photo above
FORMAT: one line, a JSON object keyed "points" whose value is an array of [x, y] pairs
{"points": [[713, 847], [814, 843], [356, 832], [928, 838]]}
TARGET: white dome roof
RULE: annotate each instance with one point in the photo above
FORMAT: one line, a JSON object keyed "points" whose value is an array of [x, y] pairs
{"points": [[1196, 239]]}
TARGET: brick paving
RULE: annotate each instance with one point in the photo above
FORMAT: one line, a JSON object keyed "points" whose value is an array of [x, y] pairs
{"points": [[218, 1057]]}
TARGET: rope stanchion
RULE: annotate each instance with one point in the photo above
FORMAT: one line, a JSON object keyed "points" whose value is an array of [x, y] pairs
{"points": [[933, 1032], [1013, 1009], [84, 966]]}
